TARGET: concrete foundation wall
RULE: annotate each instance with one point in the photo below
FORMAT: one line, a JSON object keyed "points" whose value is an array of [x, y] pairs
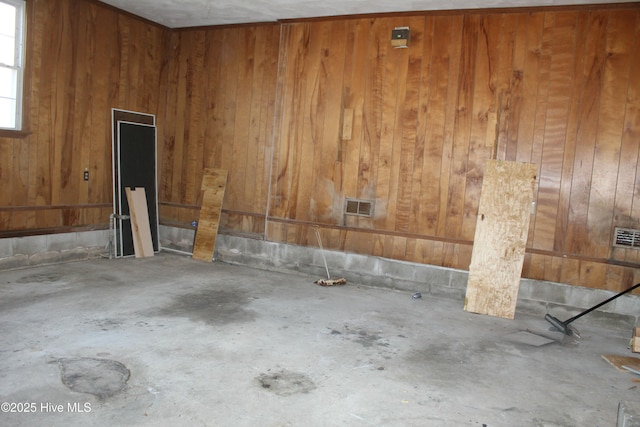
{"points": [[538, 297], [534, 296], [18, 252]]}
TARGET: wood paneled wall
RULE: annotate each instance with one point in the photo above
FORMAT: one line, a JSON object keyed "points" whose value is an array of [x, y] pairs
{"points": [[304, 114], [220, 114], [83, 59], [557, 88]]}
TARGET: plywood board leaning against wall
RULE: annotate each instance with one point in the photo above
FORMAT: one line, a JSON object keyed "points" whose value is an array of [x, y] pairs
{"points": [[500, 238], [140, 228], [214, 182]]}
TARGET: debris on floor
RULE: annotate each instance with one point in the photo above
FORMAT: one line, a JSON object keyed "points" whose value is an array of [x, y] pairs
{"points": [[529, 338], [286, 383], [331, 282], [619, 361], [635, 340]]}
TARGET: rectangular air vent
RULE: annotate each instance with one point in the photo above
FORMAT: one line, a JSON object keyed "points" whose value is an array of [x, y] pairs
{"points": [[626, 238], [358, 207]]}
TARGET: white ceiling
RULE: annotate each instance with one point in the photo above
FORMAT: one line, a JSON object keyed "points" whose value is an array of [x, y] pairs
{"points": [[196, 13]]}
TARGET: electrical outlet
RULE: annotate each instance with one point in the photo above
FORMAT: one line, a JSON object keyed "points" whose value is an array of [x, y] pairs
{"points": [[86, 174]]}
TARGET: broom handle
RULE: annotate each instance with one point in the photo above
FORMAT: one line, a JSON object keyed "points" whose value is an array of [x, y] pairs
{"points": [[566, 322], [322, 251]]}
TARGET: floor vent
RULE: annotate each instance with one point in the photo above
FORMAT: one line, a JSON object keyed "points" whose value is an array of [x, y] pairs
{"points": [[358, 207], [626, 238]]}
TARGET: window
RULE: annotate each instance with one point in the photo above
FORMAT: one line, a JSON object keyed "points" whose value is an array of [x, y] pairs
{"points": [[12, 30]]}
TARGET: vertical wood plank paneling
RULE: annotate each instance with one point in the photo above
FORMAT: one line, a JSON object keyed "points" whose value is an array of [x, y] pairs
{"points": [[619, 42], [536, 78], [210, 99], [389, 163], [433, 114], [329, 175], [513, 99], [420, 148], [371, 120], [268, 113], [188, 109], [6, 164], [626, 183], [124, 40], [309, 199], [230, 81], [81, 120], [191, 172], [507, 64], [294, 90], [629, 187], [461, 134], [201, 105], [542, 95], [244, 56], [577, 240], [554, 124], [63, 143], [411, 151], [49, 107], [572, 146], [33, 83], [531, 76], [254, 166], [482, 103], [99, 161], [393, 92], [218, 100], [355, 76], [309, 148], [181, 53], [168, 146], [450, 118]]}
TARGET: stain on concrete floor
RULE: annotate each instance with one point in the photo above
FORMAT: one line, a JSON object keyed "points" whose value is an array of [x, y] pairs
{"points": [[40, 278], [212, 306], [100, 377], [366, 338], [286, 383]]}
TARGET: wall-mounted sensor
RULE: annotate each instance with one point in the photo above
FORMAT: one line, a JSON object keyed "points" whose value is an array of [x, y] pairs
{"points": [[400, 37]]}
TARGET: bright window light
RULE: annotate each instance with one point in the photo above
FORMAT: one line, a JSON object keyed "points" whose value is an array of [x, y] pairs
{"points": [[12, 29]]}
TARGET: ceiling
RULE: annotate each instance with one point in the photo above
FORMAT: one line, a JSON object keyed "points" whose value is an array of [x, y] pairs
{"points": [[196, 13]]}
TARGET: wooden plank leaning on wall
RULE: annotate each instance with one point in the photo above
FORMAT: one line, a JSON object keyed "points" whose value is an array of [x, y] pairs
{"points": [[214, 182], [500, 238]]}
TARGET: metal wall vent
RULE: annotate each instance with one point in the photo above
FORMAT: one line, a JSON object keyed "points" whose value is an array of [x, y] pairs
{"points": [[626, 238], [358, 207]]}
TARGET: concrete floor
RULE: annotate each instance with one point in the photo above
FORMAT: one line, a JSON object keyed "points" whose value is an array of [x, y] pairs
{"points": [[172, 341]]}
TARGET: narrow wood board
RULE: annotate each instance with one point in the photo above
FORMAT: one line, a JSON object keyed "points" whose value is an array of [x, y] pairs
{"points": [[619, 361], [500, 238], [635, 340], [214, 182], [140, 228]]}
